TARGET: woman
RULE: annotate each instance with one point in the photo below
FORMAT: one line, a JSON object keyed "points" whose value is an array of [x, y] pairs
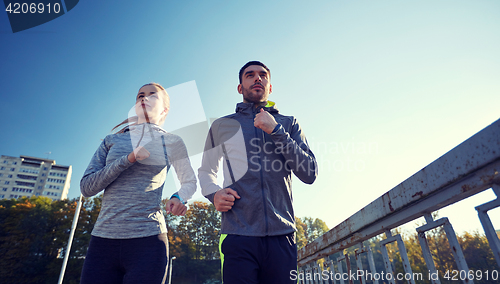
{"points": [[129, 240]]}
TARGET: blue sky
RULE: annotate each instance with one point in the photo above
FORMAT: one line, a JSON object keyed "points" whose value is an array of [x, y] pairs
{"points": [[413, 79]]}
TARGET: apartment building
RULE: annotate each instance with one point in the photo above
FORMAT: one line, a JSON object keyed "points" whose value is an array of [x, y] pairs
{"points": [[30, 176]]}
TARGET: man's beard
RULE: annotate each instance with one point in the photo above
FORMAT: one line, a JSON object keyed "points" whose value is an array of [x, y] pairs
{"points": [[252, 97]]}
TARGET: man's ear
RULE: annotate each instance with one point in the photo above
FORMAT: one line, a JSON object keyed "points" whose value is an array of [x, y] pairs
{"points": [[239, 89]]}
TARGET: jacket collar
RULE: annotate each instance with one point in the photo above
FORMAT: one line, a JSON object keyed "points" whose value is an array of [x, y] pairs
{"points": [[139, 127], [248, 108]]}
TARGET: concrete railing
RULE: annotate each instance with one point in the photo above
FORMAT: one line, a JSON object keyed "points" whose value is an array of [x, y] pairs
{"points": [[468, 169]]}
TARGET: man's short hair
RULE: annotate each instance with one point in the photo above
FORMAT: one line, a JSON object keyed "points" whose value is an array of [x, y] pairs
{"points": [[253, 63]]}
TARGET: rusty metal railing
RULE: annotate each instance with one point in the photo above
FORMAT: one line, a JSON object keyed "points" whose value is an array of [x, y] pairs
{"points": [[468, 169]]}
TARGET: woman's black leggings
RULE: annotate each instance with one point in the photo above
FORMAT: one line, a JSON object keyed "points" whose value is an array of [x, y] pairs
{"points": [[139, 260]]}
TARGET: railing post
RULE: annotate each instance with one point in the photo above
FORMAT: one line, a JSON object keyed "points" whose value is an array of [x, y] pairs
{"points": [[456, 250], [332, 271], [310, 271], [341, 270], [313, 271], [322, 268], [349, 268], [359, 264], [489, 230], [402, 251], [316, 280], [371, 262], [306, 270], [427, 252], [452, 239], [387, 263]]}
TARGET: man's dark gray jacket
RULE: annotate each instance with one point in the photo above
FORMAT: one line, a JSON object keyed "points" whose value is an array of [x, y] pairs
{"points": [[258, 167]]}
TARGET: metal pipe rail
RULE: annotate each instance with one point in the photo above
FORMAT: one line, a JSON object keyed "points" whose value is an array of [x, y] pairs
{"points": [[468, 169]]}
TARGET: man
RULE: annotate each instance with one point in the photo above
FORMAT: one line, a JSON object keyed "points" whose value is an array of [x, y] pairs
{"points": [[260, 148]]}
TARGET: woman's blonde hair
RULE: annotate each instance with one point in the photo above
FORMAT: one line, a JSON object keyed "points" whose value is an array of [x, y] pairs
{"points": [[134, 119]]}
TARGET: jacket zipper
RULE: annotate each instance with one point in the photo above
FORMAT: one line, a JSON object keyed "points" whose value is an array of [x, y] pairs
{"points": [[261, 172]]}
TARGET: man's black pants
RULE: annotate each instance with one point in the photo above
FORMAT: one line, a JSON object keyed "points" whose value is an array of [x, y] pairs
{"points": [[258, 260]]}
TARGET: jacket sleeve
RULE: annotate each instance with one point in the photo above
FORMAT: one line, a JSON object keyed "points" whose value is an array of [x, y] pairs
{"points": [[98, 175], [298, 155], [207, 173], [185, 173]]}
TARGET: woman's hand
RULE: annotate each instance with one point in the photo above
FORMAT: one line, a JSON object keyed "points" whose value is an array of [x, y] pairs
{"points": [[175, 207], [140, 153]]}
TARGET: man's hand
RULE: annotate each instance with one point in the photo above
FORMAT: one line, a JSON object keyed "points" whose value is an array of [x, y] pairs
{"points": [[265, 121], [140, 153], [175, 207], [224, 199]]}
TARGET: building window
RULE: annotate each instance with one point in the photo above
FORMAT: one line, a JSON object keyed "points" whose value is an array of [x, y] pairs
{"points": [[41, 180], [20, 189], [4, 189], [55, 180], [39, 187], [6, 182], [2, 196], [2, 168], [14, 163], [10, 176], [25, 183], [1, 175], [57, 174], [43, 175], [12, 169], [45, 168], [50, 186], [25, 170], [27, 177], [5, 162]]}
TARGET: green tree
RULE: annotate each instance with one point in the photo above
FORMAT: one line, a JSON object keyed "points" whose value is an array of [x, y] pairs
{"points": [[34, 235], [31, 238], [314, 228], [194, 240], [201, 226], [301, 233], [309, 229]]}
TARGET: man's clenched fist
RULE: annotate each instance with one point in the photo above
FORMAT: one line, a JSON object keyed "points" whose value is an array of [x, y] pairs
{"points": [[224, 199]]}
